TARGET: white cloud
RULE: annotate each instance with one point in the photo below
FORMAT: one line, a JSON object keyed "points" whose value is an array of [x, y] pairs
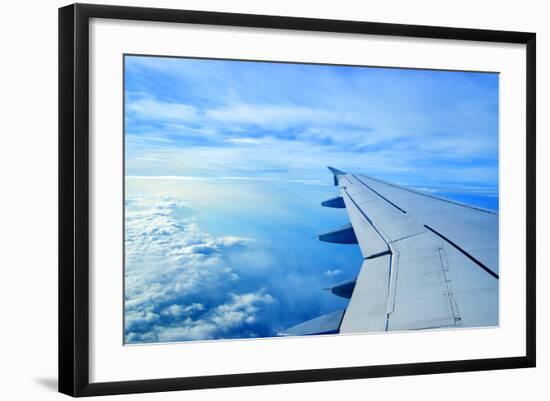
{"points": [[188, 330], [275, 116], [230, 241], [241, 311], [155, 109], [333, 273], [247, 141], [179, 311], [179, 285], [242, 308], [318, 136]]}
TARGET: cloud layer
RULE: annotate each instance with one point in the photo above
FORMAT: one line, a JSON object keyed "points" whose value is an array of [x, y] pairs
{"points": [[179, 285]]}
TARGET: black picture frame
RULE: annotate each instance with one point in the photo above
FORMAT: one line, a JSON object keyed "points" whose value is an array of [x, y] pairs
{"points": [[74, 198]]}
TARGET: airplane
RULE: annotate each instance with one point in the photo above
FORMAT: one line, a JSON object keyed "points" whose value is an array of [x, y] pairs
{"points": [[428, 262]]}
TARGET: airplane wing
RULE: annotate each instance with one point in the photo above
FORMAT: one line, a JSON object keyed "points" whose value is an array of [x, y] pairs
{"points": [[427, 262]]}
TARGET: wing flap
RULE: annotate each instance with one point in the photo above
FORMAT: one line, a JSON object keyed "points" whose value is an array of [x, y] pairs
{"points": [[475, 292], [422, 297], [437, 286], [324, 324], [366, 310]]}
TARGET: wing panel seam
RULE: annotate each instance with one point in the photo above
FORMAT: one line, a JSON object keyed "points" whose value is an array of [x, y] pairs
{"points": [[452, 302], [380, 195], [473, 259], [367, 218], [377, 255]]}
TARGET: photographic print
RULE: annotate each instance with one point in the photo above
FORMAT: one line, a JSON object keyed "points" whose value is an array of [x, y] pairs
{"points": [[271, 199]]}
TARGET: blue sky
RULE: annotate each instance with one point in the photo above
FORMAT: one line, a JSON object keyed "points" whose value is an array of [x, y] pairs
{"points": [[226, 167]]}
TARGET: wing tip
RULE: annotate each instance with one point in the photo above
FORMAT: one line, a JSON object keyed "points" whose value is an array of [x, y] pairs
{"points": [[336, 173]]}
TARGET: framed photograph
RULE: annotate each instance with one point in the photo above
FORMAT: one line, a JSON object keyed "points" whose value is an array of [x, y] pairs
{"points": [[251, 199]]}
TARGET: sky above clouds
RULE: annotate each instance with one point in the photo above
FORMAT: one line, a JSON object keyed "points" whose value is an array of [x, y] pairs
{"points": [[213, 117], [226, 167]]}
